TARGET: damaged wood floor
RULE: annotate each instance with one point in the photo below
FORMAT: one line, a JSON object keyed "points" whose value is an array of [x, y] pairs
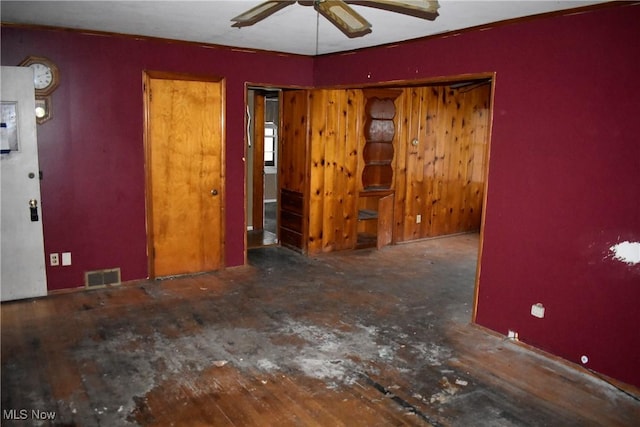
{"points": [[361, 338]]}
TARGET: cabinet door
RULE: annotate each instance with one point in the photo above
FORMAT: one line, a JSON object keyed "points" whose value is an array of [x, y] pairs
{"points": [[385, 220]]}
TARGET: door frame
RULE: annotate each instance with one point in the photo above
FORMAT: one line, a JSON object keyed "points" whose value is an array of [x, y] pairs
{"points": [[147, 75], [451, 79], [251, 135]]}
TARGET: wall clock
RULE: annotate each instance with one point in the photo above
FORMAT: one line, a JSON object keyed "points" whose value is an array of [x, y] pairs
{"points": [[46, 79], [46, 76]]}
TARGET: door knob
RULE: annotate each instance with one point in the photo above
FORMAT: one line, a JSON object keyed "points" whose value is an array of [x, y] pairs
{"points": [[214, 192]]}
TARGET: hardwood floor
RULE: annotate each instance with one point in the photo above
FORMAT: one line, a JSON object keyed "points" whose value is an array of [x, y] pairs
{"points": [[360, 338]]}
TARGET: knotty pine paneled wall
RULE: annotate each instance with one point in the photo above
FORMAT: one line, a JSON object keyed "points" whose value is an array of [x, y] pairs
{"points": [[442, 177], [334, 134]]}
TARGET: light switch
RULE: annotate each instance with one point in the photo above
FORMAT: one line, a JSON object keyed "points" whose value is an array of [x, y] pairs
{"points": [[66, 258]]}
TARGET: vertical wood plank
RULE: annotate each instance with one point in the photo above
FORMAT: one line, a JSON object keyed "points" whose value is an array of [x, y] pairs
{"points": [[431, 98], [414, 162], [353, 124], [317, 100], [455, 184], [401, 175], [419, 192], [331, 152], [258, 161], [440, 165], [293, 140]]}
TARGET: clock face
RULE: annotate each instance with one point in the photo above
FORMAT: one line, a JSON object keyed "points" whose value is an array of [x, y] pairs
{"points": [[42, 75], [46, 76]]}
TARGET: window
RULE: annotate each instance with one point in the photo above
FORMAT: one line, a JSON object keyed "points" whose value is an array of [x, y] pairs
{"points": [[270, 143]]}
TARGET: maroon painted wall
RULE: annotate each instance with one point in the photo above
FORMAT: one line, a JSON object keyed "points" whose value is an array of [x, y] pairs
{"points": [[91, 152], [564, 178]]}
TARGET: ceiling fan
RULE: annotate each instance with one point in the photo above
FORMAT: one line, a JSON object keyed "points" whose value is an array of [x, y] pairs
{"points": [[340, 14]]}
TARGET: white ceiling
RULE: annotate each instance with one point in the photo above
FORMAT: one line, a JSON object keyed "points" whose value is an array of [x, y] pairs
{"points": [[295, 29]]}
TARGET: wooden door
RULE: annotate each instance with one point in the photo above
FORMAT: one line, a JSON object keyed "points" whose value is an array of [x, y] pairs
{"points": [[185, 179]]}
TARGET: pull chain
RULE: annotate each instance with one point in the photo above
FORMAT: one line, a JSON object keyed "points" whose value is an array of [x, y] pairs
{"points": [[317, 28]]}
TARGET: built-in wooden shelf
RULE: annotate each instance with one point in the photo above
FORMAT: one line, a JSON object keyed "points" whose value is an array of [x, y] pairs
{"points": [[366, 214], [379, 134], [375, 199]]}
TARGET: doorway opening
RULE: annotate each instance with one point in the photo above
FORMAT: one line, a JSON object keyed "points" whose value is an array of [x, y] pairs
{"points": [[263, 122]]}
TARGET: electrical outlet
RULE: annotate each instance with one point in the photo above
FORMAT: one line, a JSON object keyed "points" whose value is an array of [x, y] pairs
{"points": [[537, 310], [54, 259], [512, 335], [418, 219]]}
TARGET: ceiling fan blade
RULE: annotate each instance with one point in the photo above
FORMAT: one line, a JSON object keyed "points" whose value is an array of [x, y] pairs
{"points": [[425, 9], [350, 22], [259, 12]]}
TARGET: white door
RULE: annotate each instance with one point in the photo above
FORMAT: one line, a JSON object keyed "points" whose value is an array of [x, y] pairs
{"points": [[22, 272]]}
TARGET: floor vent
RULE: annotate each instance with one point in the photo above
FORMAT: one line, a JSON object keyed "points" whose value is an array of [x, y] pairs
{"points": [[97, 278]]}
